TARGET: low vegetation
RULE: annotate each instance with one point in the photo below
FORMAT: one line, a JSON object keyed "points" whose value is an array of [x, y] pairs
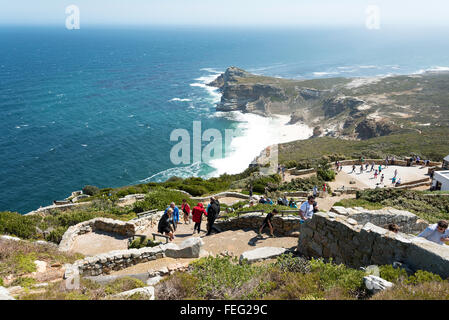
{"points": [[430, 144], [88, 290], [290, 278], [429, 208], [17, 258]]}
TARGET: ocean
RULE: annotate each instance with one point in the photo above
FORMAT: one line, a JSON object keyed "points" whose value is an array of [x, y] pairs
{"points": [[97, 106]]}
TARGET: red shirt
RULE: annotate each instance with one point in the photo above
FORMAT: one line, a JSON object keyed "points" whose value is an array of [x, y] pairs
{"points": [[186, 208], [197, 213]]}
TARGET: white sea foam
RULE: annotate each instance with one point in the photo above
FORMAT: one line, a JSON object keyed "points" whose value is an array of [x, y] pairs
{"points": [[213, 92], [255, 133], [183, 172], [433, 69], [321, 74], [180, 100]]}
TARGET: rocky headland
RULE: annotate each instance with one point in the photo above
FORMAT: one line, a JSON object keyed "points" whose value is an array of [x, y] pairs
{"points": [[341, 107]]}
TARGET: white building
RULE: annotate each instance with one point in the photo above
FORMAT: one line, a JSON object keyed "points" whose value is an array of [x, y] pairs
{"points": [[441, 180], [446, 163]]}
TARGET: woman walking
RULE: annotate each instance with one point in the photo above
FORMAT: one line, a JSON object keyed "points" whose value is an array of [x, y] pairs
{"points": [[197, 216]]}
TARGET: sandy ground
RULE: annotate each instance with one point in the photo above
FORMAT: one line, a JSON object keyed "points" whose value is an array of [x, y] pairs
{"points": [[366, 179], [230, 200], [94, 243]]}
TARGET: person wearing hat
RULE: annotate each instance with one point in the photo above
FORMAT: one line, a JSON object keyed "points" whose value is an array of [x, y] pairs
{"points": [[197, 216]]}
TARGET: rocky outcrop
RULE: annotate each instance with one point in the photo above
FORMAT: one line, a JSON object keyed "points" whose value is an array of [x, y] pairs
{"points": [[335, 106], [370, 128], [376, 284], [4, 294], [147, 292]]}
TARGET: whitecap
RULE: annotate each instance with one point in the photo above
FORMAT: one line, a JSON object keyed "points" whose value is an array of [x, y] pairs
{"points": [[254, 133], [180, 100], [321, 74]]}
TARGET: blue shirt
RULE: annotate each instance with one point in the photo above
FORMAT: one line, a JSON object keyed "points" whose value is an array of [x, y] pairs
{"points": [[432, 234]]}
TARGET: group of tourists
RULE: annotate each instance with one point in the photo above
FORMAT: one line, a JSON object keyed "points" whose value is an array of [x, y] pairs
{"points": [[170, 219]]}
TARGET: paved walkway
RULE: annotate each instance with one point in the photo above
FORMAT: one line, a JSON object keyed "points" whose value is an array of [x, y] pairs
{"points": [[366, 179]]}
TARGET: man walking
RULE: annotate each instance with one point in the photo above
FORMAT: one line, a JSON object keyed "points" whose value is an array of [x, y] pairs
{"points": [[212, 213]]}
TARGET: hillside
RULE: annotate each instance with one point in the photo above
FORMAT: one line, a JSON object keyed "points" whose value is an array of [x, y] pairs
{"points": [[359, 108]]}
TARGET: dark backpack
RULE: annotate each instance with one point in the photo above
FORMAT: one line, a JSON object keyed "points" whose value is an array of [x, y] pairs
{"points": [[214, 210]]}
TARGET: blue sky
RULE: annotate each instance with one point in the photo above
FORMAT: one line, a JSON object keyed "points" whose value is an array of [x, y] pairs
{"points": [[228, 12]]}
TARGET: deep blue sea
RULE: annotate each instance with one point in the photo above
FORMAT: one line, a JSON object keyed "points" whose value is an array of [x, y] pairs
{"points": [[97, 105]]}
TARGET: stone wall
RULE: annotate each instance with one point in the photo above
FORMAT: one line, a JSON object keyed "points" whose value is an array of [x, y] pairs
{"points": [[227, 194], [120, 259], [407, 221], [284, 226], [401, 163], [330, 235], [303, 172]]}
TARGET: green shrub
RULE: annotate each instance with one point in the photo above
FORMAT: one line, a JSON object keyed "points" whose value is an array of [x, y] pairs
{"points": [[25, 263], [138, 243], [289, 263], [326, 175], [123, 284], [421, 276], [395, 275], [17, 225], [194, 190], [91, 190], [160, 199], [332, 275], [1, 282], [24, 282], [56, 235], [220, 285]]}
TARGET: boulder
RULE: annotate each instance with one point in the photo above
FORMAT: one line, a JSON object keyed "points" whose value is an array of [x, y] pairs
{"points": [[146, 291], [260, 254], [154, 281], [41, 266], [4, 294], [10, 238], [190, 248], [376, 284]]}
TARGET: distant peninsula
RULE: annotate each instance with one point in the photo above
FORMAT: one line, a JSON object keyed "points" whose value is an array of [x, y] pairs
{"points": [[348, 108]]}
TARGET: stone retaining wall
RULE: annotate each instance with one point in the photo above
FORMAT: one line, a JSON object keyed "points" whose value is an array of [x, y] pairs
{"points": [[303, 172], [401, 163], [223, 195], [284, 226], [330, 235], [65, 207], [407, 221], [120, 259]]}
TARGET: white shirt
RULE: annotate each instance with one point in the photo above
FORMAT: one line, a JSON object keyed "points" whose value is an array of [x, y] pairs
{"points": [[307, 209], [432, 234]]}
